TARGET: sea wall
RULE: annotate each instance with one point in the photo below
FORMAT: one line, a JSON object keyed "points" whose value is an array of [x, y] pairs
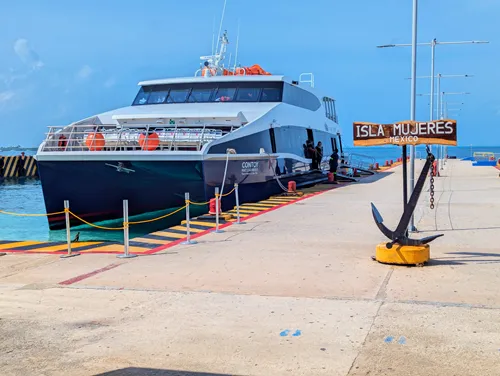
{"points": [[10, 167]]}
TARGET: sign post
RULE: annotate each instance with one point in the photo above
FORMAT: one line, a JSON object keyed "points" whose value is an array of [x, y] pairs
{"points": [[442, 132]]}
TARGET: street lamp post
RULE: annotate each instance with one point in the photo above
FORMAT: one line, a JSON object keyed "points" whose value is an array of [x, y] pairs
{"points": [[441, 115], [414, 44]]}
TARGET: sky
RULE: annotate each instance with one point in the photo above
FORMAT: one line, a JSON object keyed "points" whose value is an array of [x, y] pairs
{"points": [[62, 61]]}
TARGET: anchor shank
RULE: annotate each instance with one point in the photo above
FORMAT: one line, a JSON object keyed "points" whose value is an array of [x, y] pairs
{"points": [[412, 203]]}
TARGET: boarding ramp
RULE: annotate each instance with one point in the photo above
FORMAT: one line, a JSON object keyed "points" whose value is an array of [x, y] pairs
{"points": [[352, 164]]}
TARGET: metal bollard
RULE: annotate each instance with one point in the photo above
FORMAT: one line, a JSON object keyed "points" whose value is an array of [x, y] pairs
{"points": [[236, 192], [217, 203], [188, 229], [68, 232], [125, 233]]}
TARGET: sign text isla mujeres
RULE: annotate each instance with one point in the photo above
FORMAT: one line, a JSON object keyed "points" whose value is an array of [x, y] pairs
{"points": [[442, 132]]}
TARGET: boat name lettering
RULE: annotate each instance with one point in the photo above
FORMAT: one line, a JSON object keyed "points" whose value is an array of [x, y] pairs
{"points": [[249, 168]]}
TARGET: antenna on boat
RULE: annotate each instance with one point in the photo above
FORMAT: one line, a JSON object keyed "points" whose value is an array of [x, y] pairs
{"points": [[237, 44], [213, 37], [220, 26]]}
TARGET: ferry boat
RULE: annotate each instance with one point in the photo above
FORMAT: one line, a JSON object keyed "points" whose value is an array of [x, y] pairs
{"points": [[222, 126]]}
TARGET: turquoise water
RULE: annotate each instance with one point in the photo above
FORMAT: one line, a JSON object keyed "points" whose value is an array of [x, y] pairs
{"points": [[25, 196], [383, 153]]}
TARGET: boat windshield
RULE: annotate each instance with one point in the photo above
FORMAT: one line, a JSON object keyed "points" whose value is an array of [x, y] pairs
{"points": [[210, 92]]}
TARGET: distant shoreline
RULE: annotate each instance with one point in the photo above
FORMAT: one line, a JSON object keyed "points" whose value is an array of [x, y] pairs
{"points": [[17, 148]]}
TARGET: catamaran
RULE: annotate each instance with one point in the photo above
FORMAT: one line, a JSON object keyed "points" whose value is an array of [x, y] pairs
{"points": [[220, 127]]}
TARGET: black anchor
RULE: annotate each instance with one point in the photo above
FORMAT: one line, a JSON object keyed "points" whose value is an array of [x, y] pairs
{"points": [[400, 235]]}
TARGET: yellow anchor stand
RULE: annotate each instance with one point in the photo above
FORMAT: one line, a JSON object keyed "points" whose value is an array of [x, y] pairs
{"points": [[403, 254]]}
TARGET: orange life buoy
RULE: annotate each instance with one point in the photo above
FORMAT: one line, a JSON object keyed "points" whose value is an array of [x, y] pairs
{"points": [[149, 142], [95, 141]]}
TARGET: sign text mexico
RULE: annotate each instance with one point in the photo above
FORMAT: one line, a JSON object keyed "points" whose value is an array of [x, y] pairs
{"points": [[442, 132]]}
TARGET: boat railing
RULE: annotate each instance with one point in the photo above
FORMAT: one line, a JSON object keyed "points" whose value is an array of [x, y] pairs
{"points": [[95, 138], [360, 161]]}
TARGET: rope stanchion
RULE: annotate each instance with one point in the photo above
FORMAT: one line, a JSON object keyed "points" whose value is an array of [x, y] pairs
{"points": [[126, 233], [237, 196], [68, 232], [217, 208], [188, 228]]}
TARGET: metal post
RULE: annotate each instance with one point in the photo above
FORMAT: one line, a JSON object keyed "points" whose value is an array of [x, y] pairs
{"points": [[413, 98], [68, 231], [125, 233], [438, 115], [188, 228], [217, 198], [405, 177], [441, 117], [433, 66], [236, 192]]}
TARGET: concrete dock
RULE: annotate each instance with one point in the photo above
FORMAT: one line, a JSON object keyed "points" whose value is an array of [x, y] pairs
{"points": [[291, 292]]}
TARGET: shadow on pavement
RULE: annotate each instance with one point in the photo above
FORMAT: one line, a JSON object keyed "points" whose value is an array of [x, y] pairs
{"points": [[376, 177], [137, 371], [466, 258]]}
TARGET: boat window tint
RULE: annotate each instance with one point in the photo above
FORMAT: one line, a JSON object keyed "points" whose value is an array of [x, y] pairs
{"points": [[270, 95], [157, 97], [200, 95], [301, 98], [178, 95], [248, 94], [225, 94], [142, 97]]}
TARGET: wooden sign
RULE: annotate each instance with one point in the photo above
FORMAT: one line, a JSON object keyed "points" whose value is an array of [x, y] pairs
{"points": [[438, 132]]}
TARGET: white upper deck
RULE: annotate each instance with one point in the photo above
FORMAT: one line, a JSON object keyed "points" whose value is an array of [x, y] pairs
{"points": [[239, 78]]}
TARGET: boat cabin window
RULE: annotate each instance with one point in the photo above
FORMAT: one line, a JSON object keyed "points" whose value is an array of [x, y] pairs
{"points": [[201, 95], [248, 94], [178, 95], [157, 97], [225, 94], [330, 111], [200, 92], [270, 94]]}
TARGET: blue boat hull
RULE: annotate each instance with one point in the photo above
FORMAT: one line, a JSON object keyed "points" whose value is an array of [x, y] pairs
{"points": [[96, 189]]}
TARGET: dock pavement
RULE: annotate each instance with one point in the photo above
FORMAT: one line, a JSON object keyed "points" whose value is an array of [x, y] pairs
{"points": [[291, 292]]}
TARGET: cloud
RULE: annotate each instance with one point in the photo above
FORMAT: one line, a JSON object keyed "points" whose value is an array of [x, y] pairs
{"points": [[27, 55], [6, 96], [84, 73], [110, 82]]}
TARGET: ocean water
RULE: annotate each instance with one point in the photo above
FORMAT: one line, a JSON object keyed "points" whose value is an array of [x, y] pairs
{"points": [[25, 196], [384, 153]]}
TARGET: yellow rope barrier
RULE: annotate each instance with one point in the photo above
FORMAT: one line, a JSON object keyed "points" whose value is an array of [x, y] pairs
{"points": [[30, 215], [199, 203], [228, 193], [156, 219], [96, 226]]}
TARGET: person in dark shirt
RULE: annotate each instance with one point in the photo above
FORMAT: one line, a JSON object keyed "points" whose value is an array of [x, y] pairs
{"points": [[319, 154], [20, 165], [334, 163], [311, 154]]}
